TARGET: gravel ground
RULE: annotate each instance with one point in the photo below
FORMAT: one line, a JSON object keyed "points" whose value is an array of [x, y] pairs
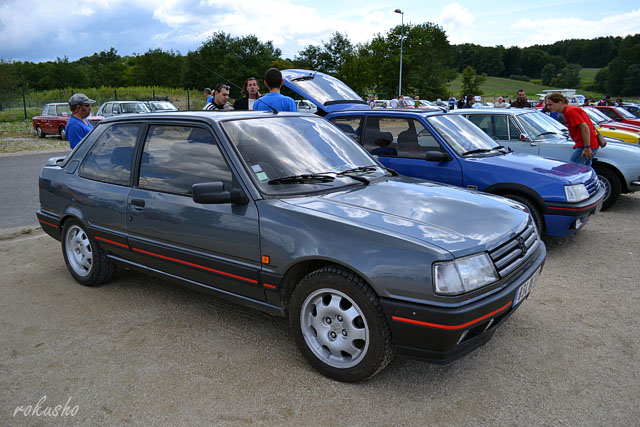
{"points": [[140, 351]]}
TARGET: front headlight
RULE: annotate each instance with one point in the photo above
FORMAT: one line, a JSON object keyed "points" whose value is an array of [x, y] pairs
{"points": [[463, 274], [576, 193]]}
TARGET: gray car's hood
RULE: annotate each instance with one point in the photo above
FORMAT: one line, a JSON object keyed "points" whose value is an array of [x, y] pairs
{"points": [[456, 220]]}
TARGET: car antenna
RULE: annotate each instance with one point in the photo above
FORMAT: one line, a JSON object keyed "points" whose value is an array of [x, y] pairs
{"points": [[229, 81]]}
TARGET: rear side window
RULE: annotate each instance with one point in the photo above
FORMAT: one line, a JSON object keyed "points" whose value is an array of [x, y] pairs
{"points": [[176, 157], [349, 125], [111, 157], [497, 127]]}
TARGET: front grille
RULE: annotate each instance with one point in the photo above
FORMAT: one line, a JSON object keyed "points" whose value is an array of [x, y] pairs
{"points": [[593, 185], [512, 254]]}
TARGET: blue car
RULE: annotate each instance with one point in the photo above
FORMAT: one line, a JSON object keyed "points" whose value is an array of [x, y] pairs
{"points": [[440, 147]]}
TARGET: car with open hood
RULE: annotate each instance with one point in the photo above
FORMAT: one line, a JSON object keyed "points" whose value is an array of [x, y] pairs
{"points": [[449, 149], [528, 131], [285, 213]]}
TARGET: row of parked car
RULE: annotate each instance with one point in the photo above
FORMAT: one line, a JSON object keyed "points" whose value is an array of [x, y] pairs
{"points": [[54, 116], [326, 218]]}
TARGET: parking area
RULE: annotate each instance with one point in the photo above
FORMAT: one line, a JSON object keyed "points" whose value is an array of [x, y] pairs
{"points": [[142, 351]]}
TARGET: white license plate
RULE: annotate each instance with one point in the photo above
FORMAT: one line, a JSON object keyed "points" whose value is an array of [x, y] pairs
{"points": [[525, 288]]}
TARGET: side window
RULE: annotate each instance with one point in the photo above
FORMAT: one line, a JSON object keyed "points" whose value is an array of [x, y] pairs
{"points": [[609, 112], [45, 111], [501, 128], [349, 125], [483, 122], [111, 157], [114, 109], [176, 157], [398, 137], [514, 132]]}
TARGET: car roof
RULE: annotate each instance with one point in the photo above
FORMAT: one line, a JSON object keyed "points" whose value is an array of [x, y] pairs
{"points": [[392, 112], [209, 116], [124, 102], [506, 111]]}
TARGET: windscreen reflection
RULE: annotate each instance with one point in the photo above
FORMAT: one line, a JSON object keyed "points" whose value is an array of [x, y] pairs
{"points": [[289, 146], [326, 88], [461, 134]]}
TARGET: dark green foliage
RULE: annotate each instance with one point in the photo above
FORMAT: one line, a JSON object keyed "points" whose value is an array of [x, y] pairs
{"points": [[547, 74], [471, 82]]}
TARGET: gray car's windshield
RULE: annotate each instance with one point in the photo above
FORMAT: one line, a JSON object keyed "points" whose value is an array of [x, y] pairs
{"points": [[463, 136], [538, 127], [324, 88], [291, 155]]}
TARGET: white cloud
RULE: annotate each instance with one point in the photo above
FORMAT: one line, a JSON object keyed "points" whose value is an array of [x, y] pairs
{"points": [[457, 21], [549, 31]]}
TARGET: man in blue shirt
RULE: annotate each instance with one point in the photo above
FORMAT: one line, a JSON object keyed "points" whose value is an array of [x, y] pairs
{"points": [[274, 99], [78, 126]]}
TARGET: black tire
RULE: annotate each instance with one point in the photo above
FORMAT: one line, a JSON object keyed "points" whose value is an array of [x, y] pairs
{"points": [[39, 131], [62, 131], [611, 183], [538, 219], [339, 326], [86, 261]]}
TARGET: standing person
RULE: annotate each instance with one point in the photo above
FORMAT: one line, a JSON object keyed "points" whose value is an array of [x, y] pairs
{"points": [[606, 101], [372, 102], [540, 103], [274, 99], [500, 103], [208, 96], [521, 100], [618, 102], [580, 127], [78, 126], [471, 99], [220, 99], [452, 102], [461, 101], [394, 103], [252, 90]]}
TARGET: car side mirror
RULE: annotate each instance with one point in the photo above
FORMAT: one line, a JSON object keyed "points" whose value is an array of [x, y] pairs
{"points": [[437, 156], [214, 193]]}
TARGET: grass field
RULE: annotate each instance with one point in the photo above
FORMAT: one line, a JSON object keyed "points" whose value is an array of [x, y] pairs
{"points": [[493, 87]]}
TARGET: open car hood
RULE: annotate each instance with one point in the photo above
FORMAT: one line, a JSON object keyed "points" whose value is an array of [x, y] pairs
{"points": [[327, 93]]}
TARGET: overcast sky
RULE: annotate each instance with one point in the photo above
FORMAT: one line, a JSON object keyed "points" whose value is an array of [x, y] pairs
{"points": [[34, 30]]}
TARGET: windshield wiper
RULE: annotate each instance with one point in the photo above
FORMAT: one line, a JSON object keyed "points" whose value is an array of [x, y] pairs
{"points": [[547, 133], [305, 178], [479, 150], [500, 147], [364, 169]]}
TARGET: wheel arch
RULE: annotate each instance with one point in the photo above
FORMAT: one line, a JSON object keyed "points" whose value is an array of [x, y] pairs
{"points": [[623, 182], [515, 188], [301, 269]]}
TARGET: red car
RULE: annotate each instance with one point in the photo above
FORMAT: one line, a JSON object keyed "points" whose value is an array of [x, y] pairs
{"points": [[53, 119], [601, 119], [619, 114]]}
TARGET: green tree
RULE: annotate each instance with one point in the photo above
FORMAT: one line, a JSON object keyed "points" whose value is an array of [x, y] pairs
{"points": [[547, 74], [155, 68], [471, 82], [568, 76]]}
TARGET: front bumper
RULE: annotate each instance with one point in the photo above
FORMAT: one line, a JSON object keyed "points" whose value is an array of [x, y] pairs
{"points": [[562, 219], [443, 334]]}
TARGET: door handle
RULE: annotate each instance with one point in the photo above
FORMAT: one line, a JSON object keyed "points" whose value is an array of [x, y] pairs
{"points": [[138, 203]]}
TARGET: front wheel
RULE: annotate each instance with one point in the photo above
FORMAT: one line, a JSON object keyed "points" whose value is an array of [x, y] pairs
{"points": [[339, 326], [40, 132], [86, 261], [63, 133], [533, 210], [612, 186]]}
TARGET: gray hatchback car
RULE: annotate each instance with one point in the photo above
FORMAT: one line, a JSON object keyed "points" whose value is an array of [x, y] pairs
{"points": [[285, 213]]}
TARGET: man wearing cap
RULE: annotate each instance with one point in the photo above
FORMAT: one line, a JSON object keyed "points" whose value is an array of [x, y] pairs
{"points": [[78, 126]]}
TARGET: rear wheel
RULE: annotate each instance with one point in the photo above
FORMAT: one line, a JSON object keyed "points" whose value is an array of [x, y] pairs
{"points": [[39, 132], [63, 133], [533, 209], [86, 261], [611, 183], [339, 326]]}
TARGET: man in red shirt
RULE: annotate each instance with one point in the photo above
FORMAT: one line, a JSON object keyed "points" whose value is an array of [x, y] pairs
{"points": [[580, 127]]}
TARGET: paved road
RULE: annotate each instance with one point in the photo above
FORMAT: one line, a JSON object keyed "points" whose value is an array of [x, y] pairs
{"points": [[19, 193]]}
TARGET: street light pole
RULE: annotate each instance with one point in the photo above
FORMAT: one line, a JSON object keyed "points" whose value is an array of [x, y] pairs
{"points": [[401, 43]]}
